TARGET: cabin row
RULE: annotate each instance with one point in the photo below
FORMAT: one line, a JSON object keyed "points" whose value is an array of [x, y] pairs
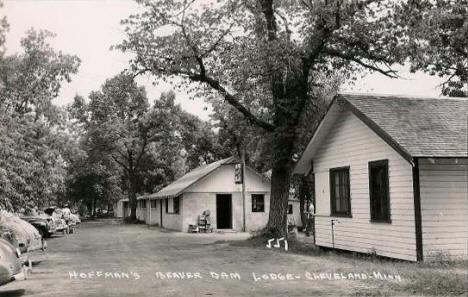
{"points": [[390, 178], [216, 188]]}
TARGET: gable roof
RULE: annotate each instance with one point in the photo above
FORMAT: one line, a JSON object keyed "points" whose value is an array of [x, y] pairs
{"points": [[179, 186], [414, 127]]}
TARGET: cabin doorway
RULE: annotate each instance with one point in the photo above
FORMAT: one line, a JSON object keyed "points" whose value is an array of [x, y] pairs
{"points": [[125, 209], [224, 211]]}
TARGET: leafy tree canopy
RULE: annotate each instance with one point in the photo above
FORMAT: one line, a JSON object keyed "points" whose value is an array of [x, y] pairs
{"points": [[33, 130], [439, 42], [146, 146]]}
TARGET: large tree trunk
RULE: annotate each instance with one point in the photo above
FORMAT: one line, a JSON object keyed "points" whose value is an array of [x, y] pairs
{"points": [[277, 221], [280, 182], [94, 208], [89, 207], [132, 199], [289, 99]]}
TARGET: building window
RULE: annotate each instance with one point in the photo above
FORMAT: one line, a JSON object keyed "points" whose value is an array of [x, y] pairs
{"points": [[172, 205], [153, 203], [340, 192], [378, 191], [290, 209], [176, 204], [143, 203], [258, 203]]}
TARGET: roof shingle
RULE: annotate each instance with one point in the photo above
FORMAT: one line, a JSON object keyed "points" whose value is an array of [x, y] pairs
{"points": [[179, 186], [424, 127]]}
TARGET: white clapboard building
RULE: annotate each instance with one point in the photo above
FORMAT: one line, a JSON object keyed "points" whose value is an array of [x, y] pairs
{"points": [[212, 187], [391, 176]]}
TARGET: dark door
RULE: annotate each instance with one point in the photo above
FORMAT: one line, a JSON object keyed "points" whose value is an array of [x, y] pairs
{"points": [[224, 211], [125, 209], [160, 212]]}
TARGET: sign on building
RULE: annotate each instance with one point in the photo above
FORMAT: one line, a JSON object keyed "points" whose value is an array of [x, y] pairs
{"points": [[238, 176]]}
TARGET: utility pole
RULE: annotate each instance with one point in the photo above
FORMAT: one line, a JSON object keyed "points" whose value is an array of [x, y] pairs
{"points": [[243, 187]]}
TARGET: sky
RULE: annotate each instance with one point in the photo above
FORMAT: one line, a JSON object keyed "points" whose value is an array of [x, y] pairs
{"points": [[88, 28]]}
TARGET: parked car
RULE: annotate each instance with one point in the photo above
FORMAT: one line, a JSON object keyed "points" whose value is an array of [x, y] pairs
{"points": [[21, 233], [11, 267], [75, 218], [55, 214], [43, 223]]}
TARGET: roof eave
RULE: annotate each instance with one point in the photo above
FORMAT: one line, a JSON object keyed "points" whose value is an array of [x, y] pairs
{"points": [[379, 131], [317, 129], [227, 161]]}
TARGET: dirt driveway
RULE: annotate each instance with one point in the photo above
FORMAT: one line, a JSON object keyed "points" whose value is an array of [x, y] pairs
{"points": [[107, 258]]}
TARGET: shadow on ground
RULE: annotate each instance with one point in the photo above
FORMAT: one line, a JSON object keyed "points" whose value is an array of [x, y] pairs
{"points": [[13, 293]]}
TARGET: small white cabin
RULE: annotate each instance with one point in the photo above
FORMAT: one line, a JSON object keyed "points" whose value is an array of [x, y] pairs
{"points": [[391, 176], [210, 187], [121, 208]]}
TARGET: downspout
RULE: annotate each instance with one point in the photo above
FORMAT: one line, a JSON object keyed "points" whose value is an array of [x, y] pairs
{"points": [[417, 210], [243, 189]]}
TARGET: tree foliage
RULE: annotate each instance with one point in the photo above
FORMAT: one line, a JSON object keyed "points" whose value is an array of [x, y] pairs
{"points": [[33, 130], [141, 144], [270, 60], [92, 181], [4, 26], [200, 142], [439, 42]]}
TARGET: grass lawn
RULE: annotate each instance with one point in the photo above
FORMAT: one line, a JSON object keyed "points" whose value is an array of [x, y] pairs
{"points": [[438, 278]]}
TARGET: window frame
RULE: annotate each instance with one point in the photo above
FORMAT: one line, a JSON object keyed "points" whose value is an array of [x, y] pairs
{"points": [[333, 212], [290, 209], [175, 202], [153, 201], [371, 165], [143, 203], [176, 209], [256, 203]]}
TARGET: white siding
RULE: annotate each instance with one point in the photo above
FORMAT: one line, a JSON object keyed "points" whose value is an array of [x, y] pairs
{"points": [[141, 213], [118, 209], [352, 143], [171, 221], [201, 196], [444, 207], [154, 216], [254, 221], [295, 217], [222, 181], [196, 203]]}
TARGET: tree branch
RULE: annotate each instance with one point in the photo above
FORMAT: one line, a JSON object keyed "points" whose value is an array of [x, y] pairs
{"points": [[268, 12], [231, 99], [217, 42], [334, 53], [120, 163], [142, 151], [286, 25], [203, 77]]}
